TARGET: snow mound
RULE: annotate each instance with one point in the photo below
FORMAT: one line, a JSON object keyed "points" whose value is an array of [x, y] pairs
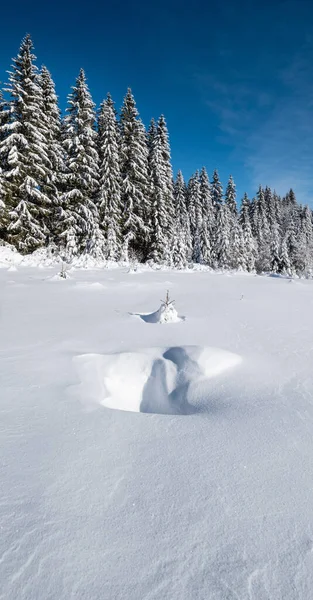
{"points": [[165, 314], [172, 381], [160, 316]]}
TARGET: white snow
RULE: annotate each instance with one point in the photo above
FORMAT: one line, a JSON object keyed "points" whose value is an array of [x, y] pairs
{"points": [[200, 486]]}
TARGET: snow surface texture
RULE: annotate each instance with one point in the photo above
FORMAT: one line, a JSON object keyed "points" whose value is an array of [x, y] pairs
{"points": [[105, 504]]}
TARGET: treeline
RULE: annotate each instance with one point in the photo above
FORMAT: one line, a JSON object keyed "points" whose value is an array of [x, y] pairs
{"points": [[98, 183]]}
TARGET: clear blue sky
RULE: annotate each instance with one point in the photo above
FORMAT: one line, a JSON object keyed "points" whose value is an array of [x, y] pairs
{"points": [[234, 79]]}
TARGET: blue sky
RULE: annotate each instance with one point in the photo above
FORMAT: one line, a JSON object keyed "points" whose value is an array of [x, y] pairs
{"points": [[234, 79]]}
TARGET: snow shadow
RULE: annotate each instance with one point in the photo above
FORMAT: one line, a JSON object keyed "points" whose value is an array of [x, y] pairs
{"points": [[149, 317], [157, 317], [156, 397]]}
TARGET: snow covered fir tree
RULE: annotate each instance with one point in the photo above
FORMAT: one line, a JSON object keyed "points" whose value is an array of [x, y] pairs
{"points": [[96, 183]]}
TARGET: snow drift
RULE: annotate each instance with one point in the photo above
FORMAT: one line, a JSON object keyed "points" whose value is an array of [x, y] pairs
{"points": [[174, 380]]}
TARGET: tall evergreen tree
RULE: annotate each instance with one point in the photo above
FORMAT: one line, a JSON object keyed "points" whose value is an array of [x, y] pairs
{"points": [[208, 219], [263, 224], [249, 248], [179, 251], [277, 208], [216, 190], [303, 255], [164, 145], [195, 215], [270, 207], [285, 265], [54, 180], [180, 198], [162, 208], [206, 199], [236, 235], [292, 234], [194, 202], [262, 232], [230, 197], [151, 138], [162, 132], [3, 214], [110, 103], [25, 154], [290, 199], [109, 201], [4, 120], [237, 245], [135, 186], [151, 135], [78, 227], [275, 249], [223, 232], [182, 222], [306, 225]]}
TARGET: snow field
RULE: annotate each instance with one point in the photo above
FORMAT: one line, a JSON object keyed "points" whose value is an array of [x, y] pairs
{"points": [[98, 503]]}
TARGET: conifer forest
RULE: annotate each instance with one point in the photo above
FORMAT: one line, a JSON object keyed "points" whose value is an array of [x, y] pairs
{"points": [[96, 182]]}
